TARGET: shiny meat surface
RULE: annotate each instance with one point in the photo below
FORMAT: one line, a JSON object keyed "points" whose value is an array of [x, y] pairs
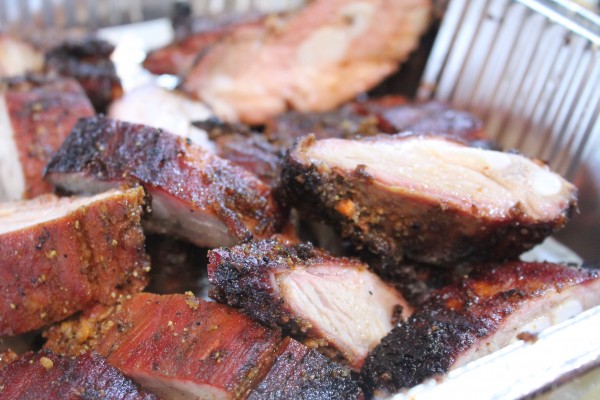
{"points": [[60, 256], [45, 375], [87, 60], [36, 115], [161, 108], [175, 346], [195, 195], [18, 57], [311, 60], [481, 314], [305, 374], [397, 195], [330, 302]]}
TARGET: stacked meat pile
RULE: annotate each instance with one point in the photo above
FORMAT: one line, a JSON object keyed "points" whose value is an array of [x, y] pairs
{"points": [[424, 218]]}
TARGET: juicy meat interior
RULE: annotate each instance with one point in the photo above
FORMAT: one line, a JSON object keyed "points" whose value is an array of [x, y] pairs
{"points": [[336, 303], [492, 182]]}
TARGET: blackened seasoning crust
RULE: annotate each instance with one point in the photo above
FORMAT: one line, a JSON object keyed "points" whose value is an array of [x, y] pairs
{"points": [[195, 194], [476, 316], [45, 375], [426, 198], [305, 374]]}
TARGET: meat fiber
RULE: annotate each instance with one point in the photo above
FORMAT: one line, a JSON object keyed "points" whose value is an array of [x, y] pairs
{"points": [[302, 373], [195, 194], [45, 375], [313, 59], [426, 198], [87, 60], [333, 303], [61, 255], [484, 312], [162, 108], [18, 57], [175, 346], [201, 33], [36, 114]]}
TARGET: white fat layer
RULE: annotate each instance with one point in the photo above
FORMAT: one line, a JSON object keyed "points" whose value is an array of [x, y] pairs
{"points": [[22, 214], [12, 179], [349, 307], [536, 316], [490, 182], [18, 57], [177, 389], [172, 216], [161, 108]]}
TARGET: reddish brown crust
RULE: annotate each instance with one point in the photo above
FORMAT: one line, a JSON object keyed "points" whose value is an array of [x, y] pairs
{"points": [[406, 227], [51, 270], [456, 317], [45, 375], [118, 152], [173, 337], [302, 373], [87, 61], [42, 112]]}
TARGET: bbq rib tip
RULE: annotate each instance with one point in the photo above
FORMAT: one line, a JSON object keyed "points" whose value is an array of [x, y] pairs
{"points": [[59, 256], [195, 194], [397, 195], [333, 303]]}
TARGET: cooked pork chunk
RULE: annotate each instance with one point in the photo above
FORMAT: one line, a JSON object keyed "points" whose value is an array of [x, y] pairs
{"points": [[200, 34], [303, 373], [87, 60], [334, 303], [195, 194], [18, 57], [60, 256], [36, 114], [427, 198], [175, 346], [484, 312], [311, 60], [45, 375], [161, 108]]}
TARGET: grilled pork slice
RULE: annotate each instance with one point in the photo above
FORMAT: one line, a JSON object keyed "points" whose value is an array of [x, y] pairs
{"points": [[87, 60], [160, 108], [302, 373], [18, 57], [312, 60], [45, 375], [195, 194], [61, 255], [36, 114], [334, 303], [427, 198], [201, 33], [175, 346], [483, 313]]}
